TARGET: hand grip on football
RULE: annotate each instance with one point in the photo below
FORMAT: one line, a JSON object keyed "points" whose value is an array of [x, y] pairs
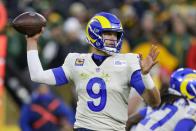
{"points": [[29, 23]]}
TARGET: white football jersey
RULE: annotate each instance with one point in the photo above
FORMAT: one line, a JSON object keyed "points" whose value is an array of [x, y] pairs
{"points": [[191, 111], [103, 90], [165, 118]]}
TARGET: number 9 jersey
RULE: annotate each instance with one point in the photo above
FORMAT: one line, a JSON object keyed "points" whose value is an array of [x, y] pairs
{"points": [[102, 90]]}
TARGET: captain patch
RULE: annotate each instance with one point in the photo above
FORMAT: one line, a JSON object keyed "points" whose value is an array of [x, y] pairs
{"points": [[79, 62]]}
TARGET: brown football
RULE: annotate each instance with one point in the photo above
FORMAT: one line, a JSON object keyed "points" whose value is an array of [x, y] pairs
{"points": [[29, 23]]}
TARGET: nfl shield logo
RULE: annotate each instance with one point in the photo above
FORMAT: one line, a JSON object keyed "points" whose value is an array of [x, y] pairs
{"points": [[97, 69]]}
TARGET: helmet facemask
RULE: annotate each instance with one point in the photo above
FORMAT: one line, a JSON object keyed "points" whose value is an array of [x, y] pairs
{"points": [[112, 46]]}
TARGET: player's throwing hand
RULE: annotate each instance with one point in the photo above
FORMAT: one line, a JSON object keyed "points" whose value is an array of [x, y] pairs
{"points": [[36, 36]]}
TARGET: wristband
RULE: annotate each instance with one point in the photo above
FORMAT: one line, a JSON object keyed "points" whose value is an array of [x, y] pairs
{"points": [[148, 82]]}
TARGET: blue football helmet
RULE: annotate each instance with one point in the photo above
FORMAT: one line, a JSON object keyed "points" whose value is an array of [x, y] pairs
{"points": [[183, 81], [104, 22]]}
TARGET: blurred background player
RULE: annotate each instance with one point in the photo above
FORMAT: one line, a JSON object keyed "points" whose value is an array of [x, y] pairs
{"points": [[105, 74], [177, 110], [46, 112]]}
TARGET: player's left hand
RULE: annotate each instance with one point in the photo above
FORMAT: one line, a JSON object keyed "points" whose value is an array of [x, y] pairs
{"points": [[147, 63]]}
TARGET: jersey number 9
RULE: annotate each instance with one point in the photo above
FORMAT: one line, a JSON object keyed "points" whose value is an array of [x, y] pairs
{"points": [[102, 94]]}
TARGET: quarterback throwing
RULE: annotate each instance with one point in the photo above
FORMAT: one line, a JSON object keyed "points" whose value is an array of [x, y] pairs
{"points": [[102, 78]]}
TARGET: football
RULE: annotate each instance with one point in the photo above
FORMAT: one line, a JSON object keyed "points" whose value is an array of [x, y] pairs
{"points": [[29, 23]]}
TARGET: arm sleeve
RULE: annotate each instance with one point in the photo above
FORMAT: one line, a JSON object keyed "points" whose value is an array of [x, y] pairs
{"points": [[55, 76], [37, 73], [137, 82], [60, 76], [185, 125], [24, 119]]}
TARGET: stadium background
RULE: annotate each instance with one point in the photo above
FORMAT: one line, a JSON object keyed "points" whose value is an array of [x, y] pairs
{"points": [[169, 24]]}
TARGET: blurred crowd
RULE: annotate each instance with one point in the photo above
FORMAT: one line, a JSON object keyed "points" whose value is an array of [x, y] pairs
{"points": [[170, 24]]}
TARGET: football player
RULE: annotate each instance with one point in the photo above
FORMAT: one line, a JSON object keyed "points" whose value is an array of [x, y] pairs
{"points": [[177, 111], [102, 78]]}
